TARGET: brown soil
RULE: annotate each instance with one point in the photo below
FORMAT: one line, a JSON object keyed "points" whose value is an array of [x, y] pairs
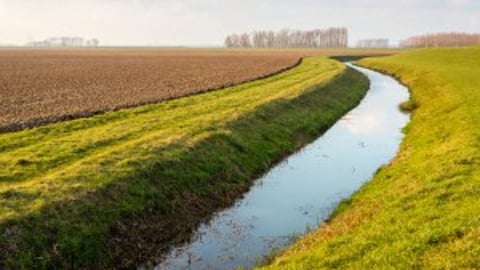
{"points": [[44, 86]]}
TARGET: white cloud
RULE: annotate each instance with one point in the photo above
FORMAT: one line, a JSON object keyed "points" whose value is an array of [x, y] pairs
{"points": [[458, 3], [474, 22], [365, 123]]}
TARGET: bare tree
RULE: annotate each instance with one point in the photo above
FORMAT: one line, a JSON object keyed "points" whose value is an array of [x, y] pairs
{"points": [[270, 39], [282, 37], [259, 39], [245, 41], [229, 42]]}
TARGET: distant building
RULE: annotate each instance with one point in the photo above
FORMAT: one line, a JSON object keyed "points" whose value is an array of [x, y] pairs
{"points": [[373, 43], [64, 42]]}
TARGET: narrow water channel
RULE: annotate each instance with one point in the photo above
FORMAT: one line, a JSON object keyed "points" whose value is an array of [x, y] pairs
{"points": [[299, 193]]}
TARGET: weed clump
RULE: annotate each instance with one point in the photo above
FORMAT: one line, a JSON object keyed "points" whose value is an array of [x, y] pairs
{"points": [[408, 106]]}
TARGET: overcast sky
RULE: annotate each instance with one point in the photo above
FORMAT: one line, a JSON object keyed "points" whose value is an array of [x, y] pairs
{"points": [[206, 22]]}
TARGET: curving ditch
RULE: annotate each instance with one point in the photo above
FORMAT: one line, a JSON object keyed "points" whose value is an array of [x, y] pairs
{"points": [[301, 192]]}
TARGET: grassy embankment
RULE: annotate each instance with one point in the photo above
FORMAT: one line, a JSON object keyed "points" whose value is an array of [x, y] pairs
{"points": [[422, 210], [116, 188]]}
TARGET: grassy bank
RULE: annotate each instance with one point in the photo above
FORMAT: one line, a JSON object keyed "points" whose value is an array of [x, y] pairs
{"points": [[115, 189], [421, 210]]}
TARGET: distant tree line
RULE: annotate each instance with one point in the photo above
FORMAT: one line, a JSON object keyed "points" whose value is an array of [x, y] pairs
{"points": [[441, 40], [329, 38], [64, 42]]}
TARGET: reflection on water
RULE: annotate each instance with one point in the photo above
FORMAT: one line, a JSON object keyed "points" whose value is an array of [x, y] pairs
{"points": [[370, 122], [300, 192]]}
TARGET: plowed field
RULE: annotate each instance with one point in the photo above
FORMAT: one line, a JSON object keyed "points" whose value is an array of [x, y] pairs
{"points": [[43, 86]]}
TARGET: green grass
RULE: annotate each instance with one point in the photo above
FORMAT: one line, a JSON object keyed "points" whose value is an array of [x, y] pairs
{"points": [[422, 210], [114, 188]]}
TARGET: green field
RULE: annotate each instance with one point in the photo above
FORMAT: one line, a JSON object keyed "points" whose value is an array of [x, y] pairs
{"points": [[422, 210], [96, 192]]}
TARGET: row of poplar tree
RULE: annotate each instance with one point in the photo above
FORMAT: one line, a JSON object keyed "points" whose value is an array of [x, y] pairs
{"points": [[335, 37]]}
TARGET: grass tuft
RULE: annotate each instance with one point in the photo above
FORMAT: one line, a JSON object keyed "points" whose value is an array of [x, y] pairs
{"points": [[408, 106]]}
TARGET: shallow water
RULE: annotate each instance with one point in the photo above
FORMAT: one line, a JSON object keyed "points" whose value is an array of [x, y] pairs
{"points": [[300, 192]]}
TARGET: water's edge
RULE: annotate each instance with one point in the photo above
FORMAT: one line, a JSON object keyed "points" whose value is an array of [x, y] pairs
{"points": [[302, 191]]}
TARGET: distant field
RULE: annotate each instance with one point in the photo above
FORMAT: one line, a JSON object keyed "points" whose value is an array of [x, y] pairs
{"points": [[43, 86], [422, 210]]}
